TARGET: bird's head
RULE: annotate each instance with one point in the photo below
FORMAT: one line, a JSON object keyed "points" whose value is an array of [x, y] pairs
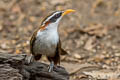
{"points": [[53, 19]]}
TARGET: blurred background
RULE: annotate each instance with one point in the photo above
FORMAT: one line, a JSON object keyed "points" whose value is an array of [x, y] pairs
{"points": [[91, 35]]}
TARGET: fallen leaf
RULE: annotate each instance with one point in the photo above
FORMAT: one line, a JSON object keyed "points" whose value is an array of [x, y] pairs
{"points": [[89, 44], [96, 29], [103, 74]]}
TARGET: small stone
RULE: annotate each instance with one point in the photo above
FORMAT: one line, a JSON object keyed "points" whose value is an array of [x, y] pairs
{"points": [[77, 56]]}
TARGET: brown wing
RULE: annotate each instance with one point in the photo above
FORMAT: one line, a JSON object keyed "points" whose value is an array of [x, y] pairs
{"points": [[59, 51], [62, 51], [32, 40]]}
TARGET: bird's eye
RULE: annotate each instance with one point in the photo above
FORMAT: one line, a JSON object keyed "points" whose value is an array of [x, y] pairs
{"points": [[58, 15]]}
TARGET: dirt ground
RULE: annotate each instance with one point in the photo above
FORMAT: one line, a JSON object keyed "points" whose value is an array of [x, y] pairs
{"points": [[91, 35]]}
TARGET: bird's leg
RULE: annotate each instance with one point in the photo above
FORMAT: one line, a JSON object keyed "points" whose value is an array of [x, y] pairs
{"points": [[51, 66]]}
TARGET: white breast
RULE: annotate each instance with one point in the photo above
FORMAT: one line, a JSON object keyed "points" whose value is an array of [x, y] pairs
{"points": [[46, 42], [49, 35]]}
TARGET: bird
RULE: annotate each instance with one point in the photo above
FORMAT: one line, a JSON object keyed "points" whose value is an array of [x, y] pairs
{"points": [[46, 40]]}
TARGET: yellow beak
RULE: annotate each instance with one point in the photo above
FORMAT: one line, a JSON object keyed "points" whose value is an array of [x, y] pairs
{"points": [[67, 11]]}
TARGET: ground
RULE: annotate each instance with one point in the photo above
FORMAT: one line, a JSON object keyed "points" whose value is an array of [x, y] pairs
{"points": [[90, 35]]}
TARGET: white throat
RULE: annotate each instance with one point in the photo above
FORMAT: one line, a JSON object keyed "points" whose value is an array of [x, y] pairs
{"points": [[50, 34]]}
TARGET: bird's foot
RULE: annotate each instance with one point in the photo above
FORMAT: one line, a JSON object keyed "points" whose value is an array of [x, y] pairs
{"points": [[51, 66]]}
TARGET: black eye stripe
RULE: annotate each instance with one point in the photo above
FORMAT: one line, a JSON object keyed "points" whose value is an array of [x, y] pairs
{"points": [[55, 17], [52, 17]]}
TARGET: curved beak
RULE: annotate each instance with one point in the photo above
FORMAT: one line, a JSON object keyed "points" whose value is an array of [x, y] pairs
{"points": [[67, 11]]}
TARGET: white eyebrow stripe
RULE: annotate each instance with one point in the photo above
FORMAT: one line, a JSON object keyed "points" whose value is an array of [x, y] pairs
{"points": [[50, 17]]}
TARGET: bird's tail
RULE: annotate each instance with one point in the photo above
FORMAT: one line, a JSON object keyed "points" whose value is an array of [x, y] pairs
{"points": [[63, 52]]}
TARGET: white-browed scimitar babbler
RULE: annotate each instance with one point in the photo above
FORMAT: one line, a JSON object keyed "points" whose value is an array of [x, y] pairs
{"points": [[46, 41]]}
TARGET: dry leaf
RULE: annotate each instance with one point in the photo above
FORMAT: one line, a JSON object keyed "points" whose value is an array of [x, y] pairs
{"points": [[103, 74], [96, 29], [89, 44]]}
